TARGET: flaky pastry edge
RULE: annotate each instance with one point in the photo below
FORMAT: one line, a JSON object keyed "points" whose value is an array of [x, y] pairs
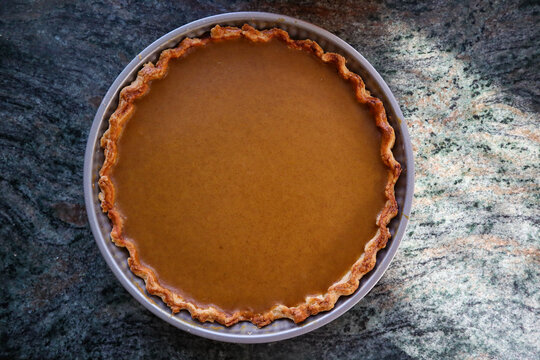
{"points": [[312, 305]]}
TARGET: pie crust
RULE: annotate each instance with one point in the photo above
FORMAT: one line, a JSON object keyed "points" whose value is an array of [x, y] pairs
{"points": [[312, 305]]}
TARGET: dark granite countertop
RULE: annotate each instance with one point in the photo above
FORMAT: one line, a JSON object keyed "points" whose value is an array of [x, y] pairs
{"points": [[465, 282]]}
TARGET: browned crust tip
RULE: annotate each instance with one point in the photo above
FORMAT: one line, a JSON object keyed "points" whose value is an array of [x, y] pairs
{"points": [[313, 305]]}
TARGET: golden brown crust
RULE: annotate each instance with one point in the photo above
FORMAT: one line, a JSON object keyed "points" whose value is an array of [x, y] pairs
{"points": [[313, 305]]}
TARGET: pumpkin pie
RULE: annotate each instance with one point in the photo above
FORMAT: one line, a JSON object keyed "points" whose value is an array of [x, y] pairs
{"points": [[250, 176]]}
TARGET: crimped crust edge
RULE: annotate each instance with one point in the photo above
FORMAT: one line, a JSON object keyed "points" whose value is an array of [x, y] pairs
{"points": [[312, 305]]}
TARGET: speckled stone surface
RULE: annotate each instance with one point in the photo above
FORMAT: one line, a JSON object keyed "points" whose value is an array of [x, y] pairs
{"points": [[465, 282]]}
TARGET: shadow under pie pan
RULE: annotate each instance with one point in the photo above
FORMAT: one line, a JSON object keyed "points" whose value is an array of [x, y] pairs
{"points": [[116, 258]]}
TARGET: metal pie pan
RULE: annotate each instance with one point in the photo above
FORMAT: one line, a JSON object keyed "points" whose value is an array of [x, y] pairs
{"points": [[116, 257]]}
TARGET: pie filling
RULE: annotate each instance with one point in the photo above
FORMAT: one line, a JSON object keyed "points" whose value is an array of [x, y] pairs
{"points": [[249, 176]]}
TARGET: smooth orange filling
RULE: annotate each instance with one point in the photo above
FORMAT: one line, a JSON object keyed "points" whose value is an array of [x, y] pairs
{"points": [[250, 176]]}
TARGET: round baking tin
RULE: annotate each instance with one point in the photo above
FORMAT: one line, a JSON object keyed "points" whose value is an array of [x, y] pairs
{"points": [[116, 257]]}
